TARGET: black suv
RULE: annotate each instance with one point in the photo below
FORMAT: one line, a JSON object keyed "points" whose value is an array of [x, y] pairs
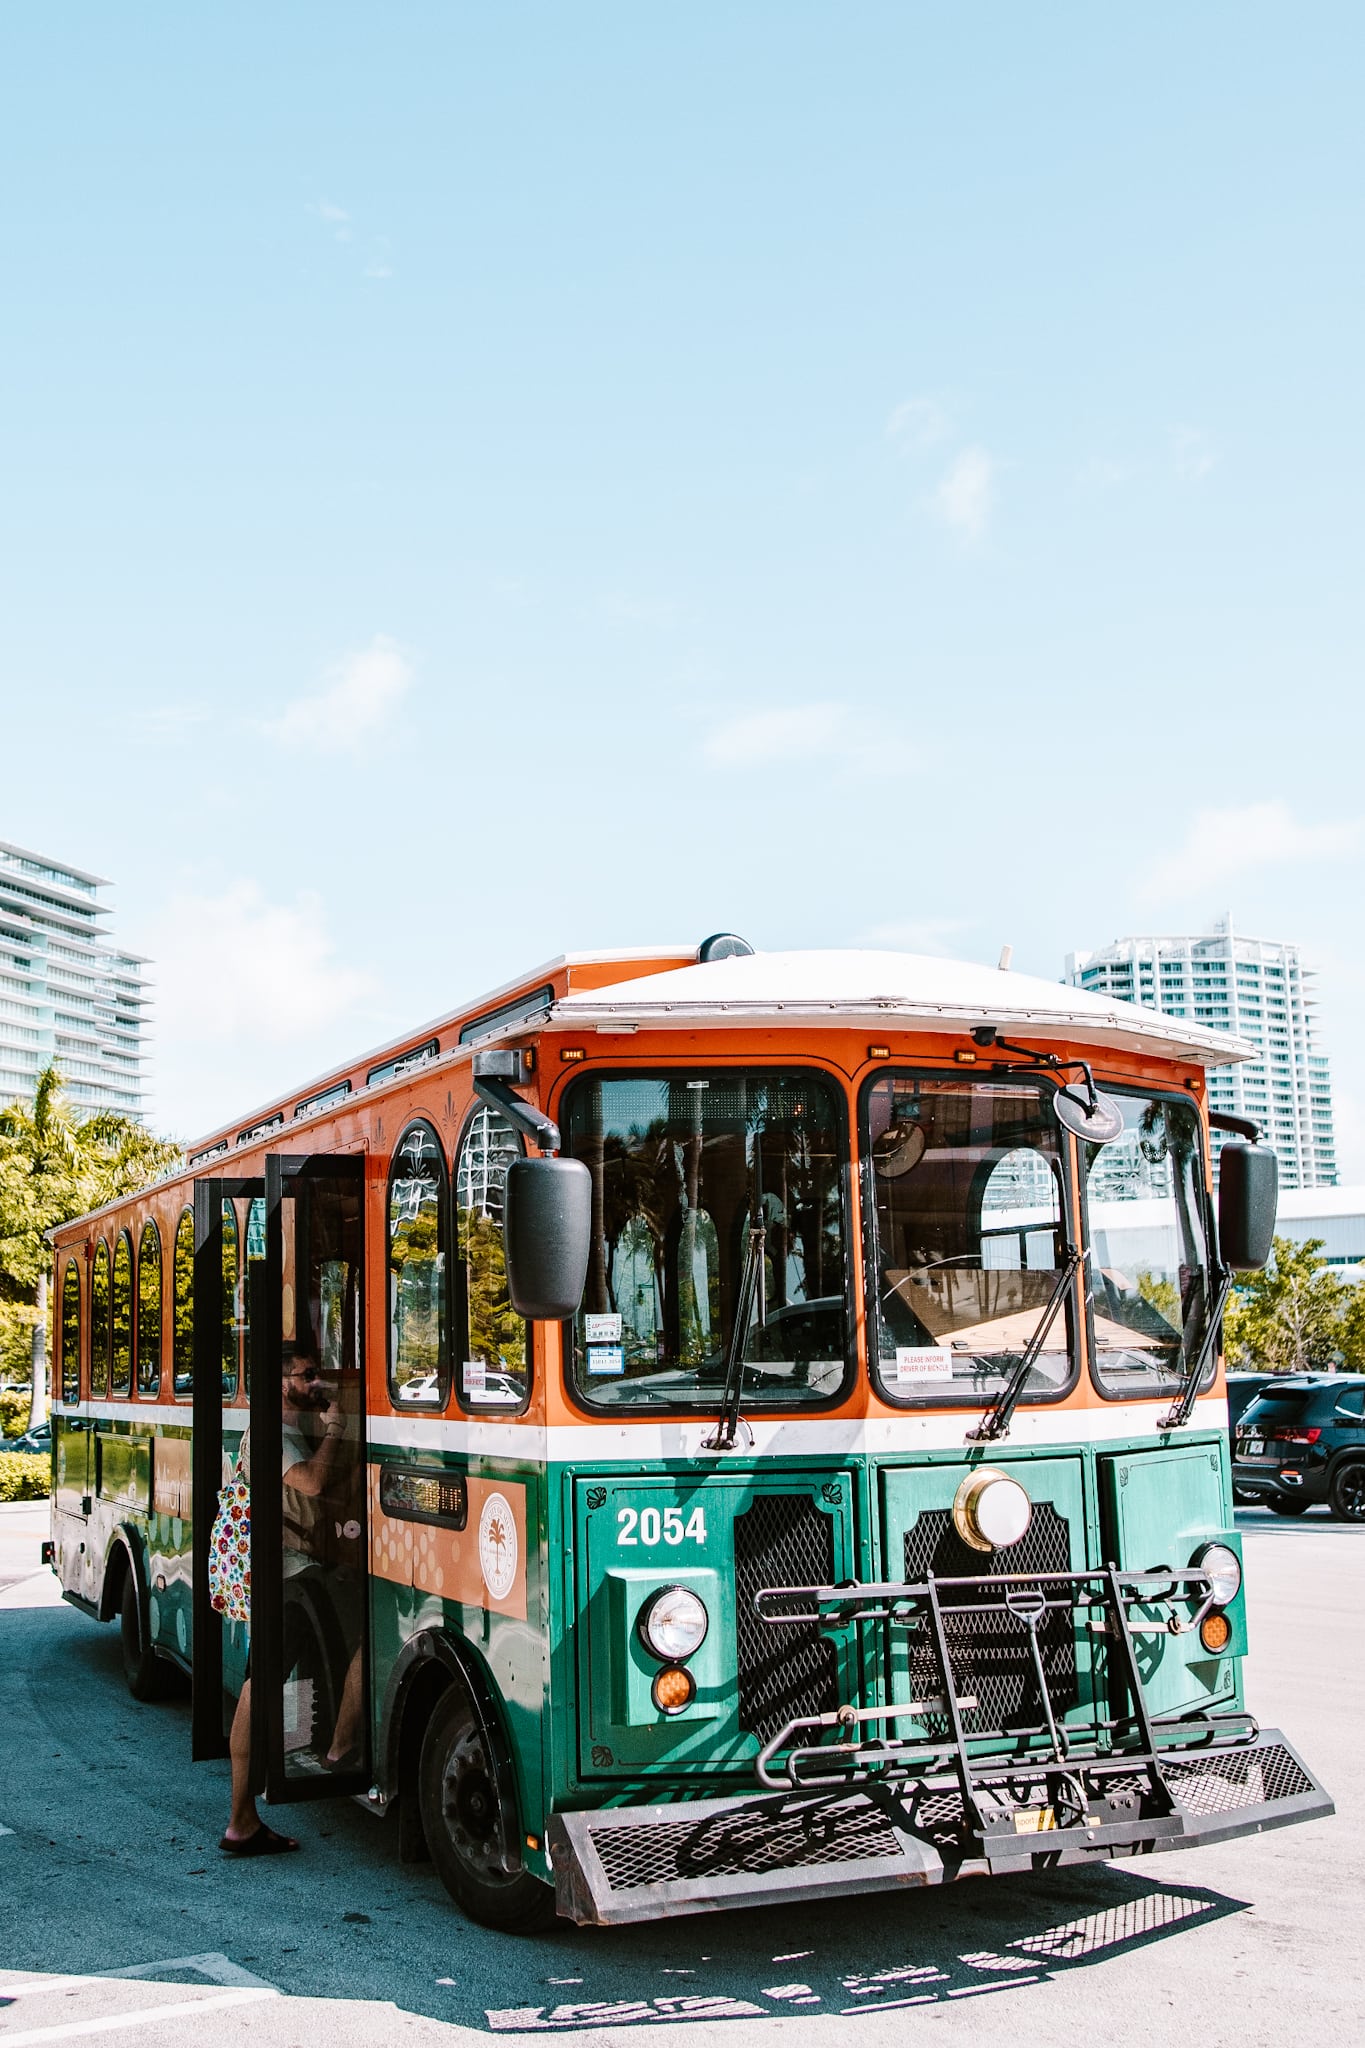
{"points": [[1302, 1440]]}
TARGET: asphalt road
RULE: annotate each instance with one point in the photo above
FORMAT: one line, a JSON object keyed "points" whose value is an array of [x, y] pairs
{"points": [[120, 1921]]}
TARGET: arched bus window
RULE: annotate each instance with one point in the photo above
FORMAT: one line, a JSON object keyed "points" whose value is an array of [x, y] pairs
{"points": [[121, 1352], [255, 1257], [419, 1342], [149, 1311], [182, 1282], [71, 1333], [494, 1365], [99, 1320], [231, 1303]]}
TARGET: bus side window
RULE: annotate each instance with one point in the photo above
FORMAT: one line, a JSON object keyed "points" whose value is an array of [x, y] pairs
{"points": [[149, 1311], [121, 1362], [99, 1320], [419, 1333], [71, 1333], [492, 1353], [182, 1282], [230, 1303]]}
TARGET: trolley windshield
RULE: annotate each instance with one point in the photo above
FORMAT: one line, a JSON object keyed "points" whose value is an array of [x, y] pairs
{"points": [[967, 1246], [685, 1169]]}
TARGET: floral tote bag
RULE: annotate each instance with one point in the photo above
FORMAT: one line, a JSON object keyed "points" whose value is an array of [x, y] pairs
{"points": [[230, 1548]]}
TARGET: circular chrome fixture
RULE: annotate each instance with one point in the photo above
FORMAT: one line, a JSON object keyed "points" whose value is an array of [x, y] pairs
{"points": [[673, 1624], [1095, 1118], [991, 1510], [898, 1150], [1225, 1573], [724, 946]]}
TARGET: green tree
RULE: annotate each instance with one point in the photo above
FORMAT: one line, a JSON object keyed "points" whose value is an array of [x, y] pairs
{"points": [[1291, 1317], [55, 1164], [1352, 1326]]}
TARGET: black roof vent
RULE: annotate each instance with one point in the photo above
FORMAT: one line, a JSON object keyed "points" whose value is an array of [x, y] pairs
{"points": [[723, 946]]}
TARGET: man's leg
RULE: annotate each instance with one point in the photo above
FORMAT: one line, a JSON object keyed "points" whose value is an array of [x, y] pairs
{"points": [[245, 1820]]}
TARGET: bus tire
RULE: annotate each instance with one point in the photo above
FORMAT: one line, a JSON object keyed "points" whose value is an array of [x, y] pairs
{"points": [[1287, 1504], [144, 1674], [462, 1819], [1347, 1498]]}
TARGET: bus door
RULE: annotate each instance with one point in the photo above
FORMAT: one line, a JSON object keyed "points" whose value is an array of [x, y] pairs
{"points": [[229, 1265], [308, 1521]]}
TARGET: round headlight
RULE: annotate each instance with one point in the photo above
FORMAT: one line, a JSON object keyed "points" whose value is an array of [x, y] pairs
{"points": [[673, 1624], [991, 1510], [1225, 1573]]}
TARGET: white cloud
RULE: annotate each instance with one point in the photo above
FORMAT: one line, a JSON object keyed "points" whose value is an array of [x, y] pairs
{"points": [[965, 497], [248, 998], [334, 217], [361, 695], [797, 732], [918, 423], [839, 737], [1193, 453], [1221, 844]]}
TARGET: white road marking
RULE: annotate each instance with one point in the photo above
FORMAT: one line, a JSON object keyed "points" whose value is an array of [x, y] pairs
{"points": [[178, 2009]]}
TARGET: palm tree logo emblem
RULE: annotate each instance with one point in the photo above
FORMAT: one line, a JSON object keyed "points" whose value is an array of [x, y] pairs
{"points": [[498, 1546]]}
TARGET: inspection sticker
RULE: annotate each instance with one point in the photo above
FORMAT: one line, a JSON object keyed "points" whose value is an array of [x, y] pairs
{"points": [[928, 1362], [602, 1329], [607, 1358]]}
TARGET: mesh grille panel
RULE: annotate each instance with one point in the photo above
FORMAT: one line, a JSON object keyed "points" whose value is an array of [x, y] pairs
{"points": [[990, 1652], [741, 1844], [782, 1539], [1222, 1784]]}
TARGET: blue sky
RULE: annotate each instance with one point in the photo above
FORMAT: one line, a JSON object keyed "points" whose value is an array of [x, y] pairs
{"points": [[480, 482]]}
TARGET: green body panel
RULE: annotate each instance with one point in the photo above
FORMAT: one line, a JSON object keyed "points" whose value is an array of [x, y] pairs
{"points": [[614, 1525], [1158, 1507], [123, 1468]]}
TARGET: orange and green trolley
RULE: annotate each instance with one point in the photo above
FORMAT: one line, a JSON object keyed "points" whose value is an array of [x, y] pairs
{"points": [[784, 1447]]}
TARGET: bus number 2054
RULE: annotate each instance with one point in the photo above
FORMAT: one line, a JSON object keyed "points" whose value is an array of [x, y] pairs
{"points": [[653, 1527]]}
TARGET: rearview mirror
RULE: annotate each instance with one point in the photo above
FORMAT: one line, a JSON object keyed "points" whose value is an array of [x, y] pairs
{"points": [[547, 1234], [1248, 1195]]}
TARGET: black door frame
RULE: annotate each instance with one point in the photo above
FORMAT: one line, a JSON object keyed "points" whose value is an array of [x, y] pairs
{"points": [[207, 1735], [282, 1171]]}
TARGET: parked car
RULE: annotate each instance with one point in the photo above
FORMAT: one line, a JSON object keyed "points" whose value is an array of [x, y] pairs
{"points": [[38, 1440], [1302, 1441], [1243, 1387]]}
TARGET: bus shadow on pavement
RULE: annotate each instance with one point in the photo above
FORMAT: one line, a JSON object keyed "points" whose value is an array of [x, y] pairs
{"points": [[872, 1954]]}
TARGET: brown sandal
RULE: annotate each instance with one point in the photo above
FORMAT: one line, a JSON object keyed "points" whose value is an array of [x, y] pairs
{"points": [[265, 1842]]}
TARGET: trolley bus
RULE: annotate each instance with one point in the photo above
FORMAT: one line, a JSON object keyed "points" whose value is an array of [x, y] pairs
{"points": [[780, 1435]]}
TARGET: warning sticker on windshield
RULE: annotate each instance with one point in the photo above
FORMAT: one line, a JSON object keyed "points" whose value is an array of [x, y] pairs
{"points": [[606, 1359], [602, 1329], [928, 1362]]}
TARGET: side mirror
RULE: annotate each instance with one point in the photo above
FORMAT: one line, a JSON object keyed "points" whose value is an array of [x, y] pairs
{"points": [[547, 1235], [1248, 1194]]}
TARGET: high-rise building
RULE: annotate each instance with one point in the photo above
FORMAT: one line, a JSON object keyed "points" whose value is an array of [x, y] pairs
{"points": [[1258, 989], [66, 994]]}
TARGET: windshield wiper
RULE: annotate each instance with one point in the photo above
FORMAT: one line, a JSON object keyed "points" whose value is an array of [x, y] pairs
{"points": [[1179, 1411], [750, 1281], [996, 1422]]}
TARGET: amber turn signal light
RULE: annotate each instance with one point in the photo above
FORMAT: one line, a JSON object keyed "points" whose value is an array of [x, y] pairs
{"points": [[673, 1689], [1215, 1632]]}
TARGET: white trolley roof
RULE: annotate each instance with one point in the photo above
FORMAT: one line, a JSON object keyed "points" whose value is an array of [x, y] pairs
{"points": [[887, 991]]}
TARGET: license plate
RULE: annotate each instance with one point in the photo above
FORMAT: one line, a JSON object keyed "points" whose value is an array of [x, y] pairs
{"points": [[1252, 1447]]}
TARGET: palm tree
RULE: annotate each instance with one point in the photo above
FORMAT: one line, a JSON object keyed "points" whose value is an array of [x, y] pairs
{"points": [[55, 1164]]}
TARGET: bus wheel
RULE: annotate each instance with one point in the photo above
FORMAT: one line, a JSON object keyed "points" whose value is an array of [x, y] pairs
{"points": [[463, 1818], [1348, 1493], [146, 1677]]}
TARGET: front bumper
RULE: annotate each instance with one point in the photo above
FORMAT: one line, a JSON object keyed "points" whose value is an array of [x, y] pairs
{"points": [[621, 1864], [1308, 1483]]}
